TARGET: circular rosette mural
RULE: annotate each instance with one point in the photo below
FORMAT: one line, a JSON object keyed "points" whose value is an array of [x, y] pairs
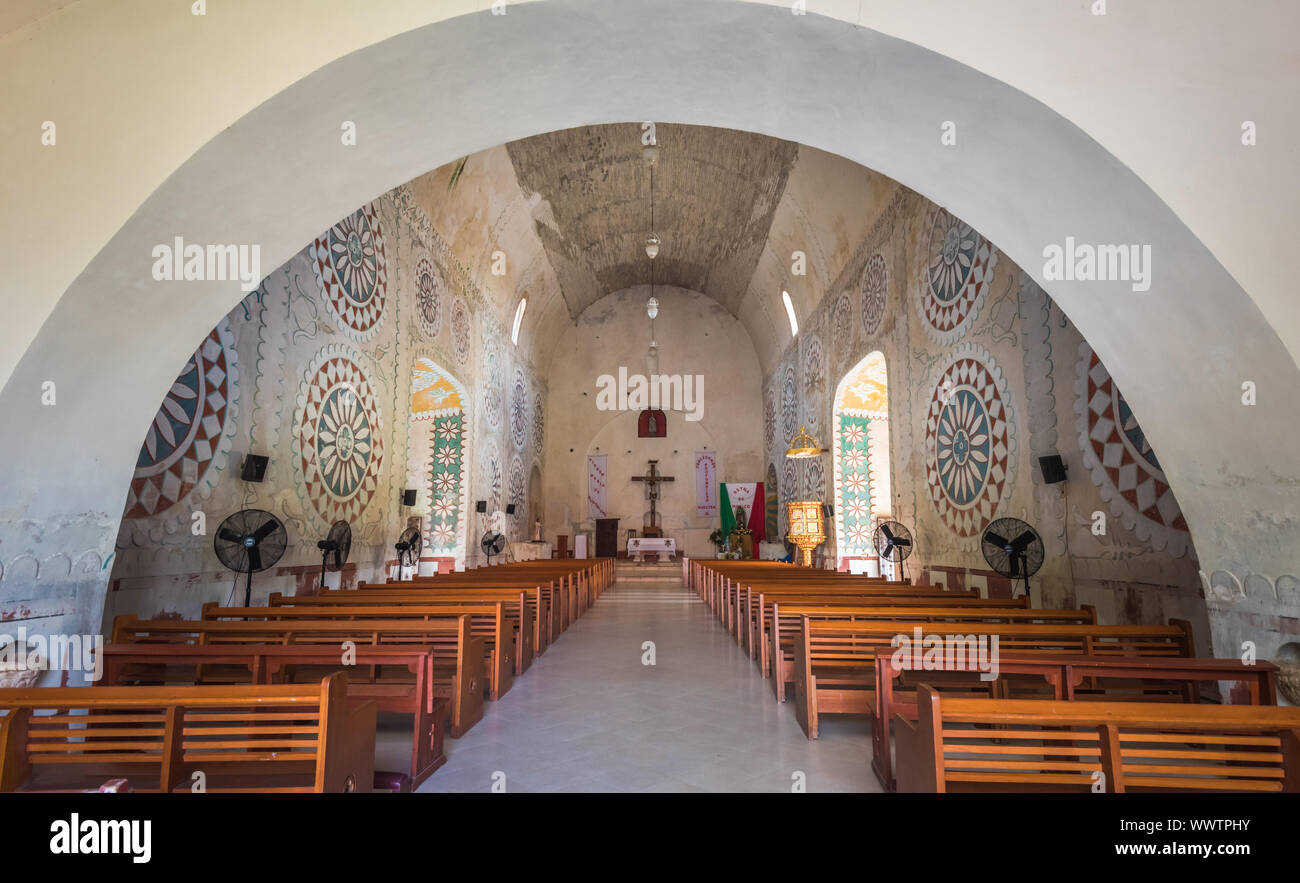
{"points": [[460, 331], [352, 269], [842, 319], [814, 380], [969, 442], [519, 413], [516, 496], [428, 297], [956, 273], [789, 405], [539, 424], [490, 476], [492, 380], [191, 432], [1121, 461], [338, 439], [875, 293]]}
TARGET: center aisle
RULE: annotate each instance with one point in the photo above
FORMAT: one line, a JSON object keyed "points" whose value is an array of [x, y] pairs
{"points": [[590, 716]]}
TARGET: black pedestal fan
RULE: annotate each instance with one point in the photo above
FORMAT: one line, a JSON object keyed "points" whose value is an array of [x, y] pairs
{"points": [[334, 549], [1013, 549], [250, 541]]}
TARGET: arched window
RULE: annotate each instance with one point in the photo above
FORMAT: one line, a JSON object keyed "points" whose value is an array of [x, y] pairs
{"points": [[861, 451], [519, 319], [789, 311], [437, 400]]}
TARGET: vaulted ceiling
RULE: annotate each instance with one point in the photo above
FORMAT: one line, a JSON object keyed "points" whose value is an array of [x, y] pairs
{"points": [[716, 193], [571, 211]]}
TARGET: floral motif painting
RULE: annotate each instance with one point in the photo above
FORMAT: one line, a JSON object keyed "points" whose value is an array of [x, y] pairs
{"points": [[957, 271], [446, 485], [1121, 461], [969, 440], [192, 431], [338, 436], [351, 267]]}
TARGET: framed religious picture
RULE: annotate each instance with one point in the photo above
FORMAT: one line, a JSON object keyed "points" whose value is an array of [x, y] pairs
{"points": [[652, 424]]}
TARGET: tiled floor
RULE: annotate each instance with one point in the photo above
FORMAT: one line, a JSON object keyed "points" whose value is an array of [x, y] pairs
{"points": [[589, 716]]}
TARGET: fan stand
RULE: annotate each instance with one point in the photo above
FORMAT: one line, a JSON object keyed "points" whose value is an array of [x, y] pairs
{"points": [[248, 590], [324, 558]]}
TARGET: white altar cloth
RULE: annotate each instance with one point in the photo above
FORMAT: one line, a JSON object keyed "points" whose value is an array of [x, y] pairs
{"points": [[637, 547]]}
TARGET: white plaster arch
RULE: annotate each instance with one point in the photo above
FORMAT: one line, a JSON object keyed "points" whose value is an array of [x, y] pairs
{"points": [[1027, 177]]}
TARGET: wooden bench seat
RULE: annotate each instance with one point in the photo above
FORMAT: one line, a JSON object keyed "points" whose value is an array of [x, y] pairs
{"points": [[295, 738], [783, 622], [1062, 678], [835, 661], [964, 744], [505, 637], [459, 656], [371, 670]]}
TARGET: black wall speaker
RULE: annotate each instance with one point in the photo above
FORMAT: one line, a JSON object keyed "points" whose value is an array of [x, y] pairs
{"points": [[510, 508], [254, 468], [480, 506], [408, 497], [1053, 469], [828, 510]]}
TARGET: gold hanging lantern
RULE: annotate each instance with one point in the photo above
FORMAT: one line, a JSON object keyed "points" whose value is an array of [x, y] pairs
{"points": [[806, 527], [803, 446]]}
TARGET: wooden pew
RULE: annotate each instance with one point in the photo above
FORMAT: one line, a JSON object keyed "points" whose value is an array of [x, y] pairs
{"points": [[1040, 745], [504, 636], [834, 662], [785, 620], [459, 674], [269, 663], [577, 583], [295, 738], [762, 606], [1062, 678], [539, 600], [742, 604]]}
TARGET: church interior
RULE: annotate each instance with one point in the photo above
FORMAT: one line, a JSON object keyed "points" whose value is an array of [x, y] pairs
{"points": [[752, 399]]}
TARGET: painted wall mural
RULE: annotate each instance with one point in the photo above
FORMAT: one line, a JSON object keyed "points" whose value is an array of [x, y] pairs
{"points": [[957, 268], [429, 290], [339, 440], [860, 452], [1121, 462], [445, 535], [875, 293], [519, 411], [192, 431], [969, 441], [351, 265], [460, 331], [350, 406]]}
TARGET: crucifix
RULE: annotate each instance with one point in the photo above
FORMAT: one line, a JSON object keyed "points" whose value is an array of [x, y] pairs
{"points": [[652, 489]]}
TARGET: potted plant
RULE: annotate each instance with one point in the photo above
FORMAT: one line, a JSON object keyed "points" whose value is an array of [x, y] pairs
{"points": [[717, 539]]}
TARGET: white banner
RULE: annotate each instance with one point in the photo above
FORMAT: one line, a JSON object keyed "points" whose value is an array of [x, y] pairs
{"points": [[596, 479], [706, 483], [742, 494]]}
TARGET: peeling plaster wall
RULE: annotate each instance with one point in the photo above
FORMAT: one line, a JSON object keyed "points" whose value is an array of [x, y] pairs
{"points": [[434, 298]]}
